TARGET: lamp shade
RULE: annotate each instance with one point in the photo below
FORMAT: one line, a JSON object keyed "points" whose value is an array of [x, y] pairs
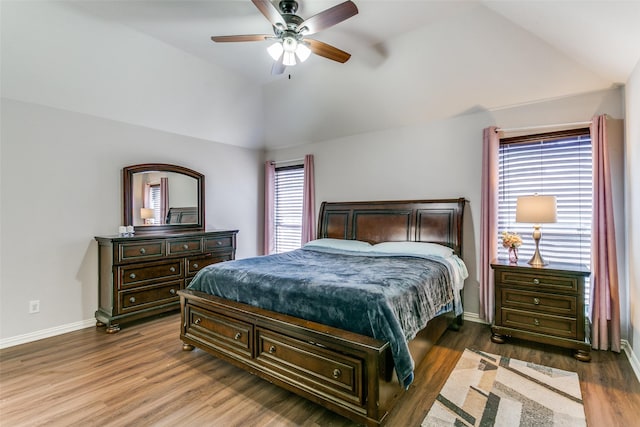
{"points": [[536, 209], [146, 213]]}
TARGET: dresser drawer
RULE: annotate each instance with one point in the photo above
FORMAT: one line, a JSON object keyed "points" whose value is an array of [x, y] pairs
{"points": [[563, 305], [149, 296], [558, 326], [538, 281], [145, 250], [218, 243], [195, 264], [184, 246], [219, 331], [138, 274], [316, 368]]}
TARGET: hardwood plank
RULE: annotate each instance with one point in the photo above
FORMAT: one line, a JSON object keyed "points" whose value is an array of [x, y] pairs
{"points": [[140, 376]]}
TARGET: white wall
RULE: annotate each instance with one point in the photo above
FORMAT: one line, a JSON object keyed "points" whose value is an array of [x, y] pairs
{"points": [[435, 160], [632, 170], [61, 186], [82, 98]]}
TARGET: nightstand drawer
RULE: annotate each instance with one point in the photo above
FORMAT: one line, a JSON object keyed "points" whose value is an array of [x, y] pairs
{"points": [[538, 281], [562, 305], [558, 326]]}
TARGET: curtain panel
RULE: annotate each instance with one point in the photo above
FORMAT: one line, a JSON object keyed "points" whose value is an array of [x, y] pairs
{"points": [[605, 298], [488, 221], [308, 202], [269, 200]]}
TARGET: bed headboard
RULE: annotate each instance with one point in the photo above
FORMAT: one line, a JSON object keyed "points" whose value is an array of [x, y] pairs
{"points": [[435, 221]]}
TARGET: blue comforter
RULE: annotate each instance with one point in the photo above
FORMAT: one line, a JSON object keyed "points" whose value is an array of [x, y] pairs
{"points": [[390, 298]]}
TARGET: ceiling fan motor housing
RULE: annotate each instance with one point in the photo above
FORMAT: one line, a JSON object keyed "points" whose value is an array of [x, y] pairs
{"points": [[288, 6]]}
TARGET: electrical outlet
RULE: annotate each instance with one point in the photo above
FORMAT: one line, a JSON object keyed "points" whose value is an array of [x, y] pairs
{"points": [[34, 306]]}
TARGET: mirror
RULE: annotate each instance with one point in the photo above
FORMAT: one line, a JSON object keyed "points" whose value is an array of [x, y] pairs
{"points": [[163, 198]]}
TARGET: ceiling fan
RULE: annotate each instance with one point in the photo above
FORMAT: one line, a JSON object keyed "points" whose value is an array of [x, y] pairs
{"points": [[291, 31]]}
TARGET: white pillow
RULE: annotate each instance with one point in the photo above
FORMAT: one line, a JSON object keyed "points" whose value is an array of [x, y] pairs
{"points": [[346, 245], [413, 248]]}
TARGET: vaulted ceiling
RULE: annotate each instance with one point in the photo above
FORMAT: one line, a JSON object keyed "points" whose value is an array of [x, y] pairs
{"points": [[412, 61]]}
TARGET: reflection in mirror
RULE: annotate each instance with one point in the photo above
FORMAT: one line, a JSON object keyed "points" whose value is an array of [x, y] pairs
{"points": [[162, 197]]}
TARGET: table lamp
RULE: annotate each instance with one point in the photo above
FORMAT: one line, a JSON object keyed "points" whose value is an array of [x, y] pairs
{"points": [[536, 209]]}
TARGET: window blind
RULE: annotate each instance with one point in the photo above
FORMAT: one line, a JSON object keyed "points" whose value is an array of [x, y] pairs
{"points": [[556, 165], [289, 189]]}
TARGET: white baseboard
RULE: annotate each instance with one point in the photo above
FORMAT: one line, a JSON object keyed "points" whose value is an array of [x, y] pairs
{"points": [[631, 356], [473, 317], [46, 333]]}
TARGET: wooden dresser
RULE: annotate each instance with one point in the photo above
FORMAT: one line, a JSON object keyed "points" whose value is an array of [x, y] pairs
{"points": [[542, 304], [140, 276]]}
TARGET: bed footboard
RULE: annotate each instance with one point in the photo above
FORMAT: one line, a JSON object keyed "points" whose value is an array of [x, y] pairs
{"points": [[347, 373]]}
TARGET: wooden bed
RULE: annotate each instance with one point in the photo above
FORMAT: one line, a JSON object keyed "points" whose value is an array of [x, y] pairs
{"points": [[347, 373]]}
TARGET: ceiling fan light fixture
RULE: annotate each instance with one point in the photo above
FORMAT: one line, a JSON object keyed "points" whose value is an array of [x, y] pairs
{"points": [[289, 58], [275, 50], [303, 52]]}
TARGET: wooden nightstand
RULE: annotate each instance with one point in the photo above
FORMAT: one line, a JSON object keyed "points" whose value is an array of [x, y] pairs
{"points": [[542, 304]]}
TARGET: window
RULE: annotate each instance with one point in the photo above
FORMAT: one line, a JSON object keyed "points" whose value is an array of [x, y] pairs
{"points": [[289, 190], [556, 164], [154, 200]]}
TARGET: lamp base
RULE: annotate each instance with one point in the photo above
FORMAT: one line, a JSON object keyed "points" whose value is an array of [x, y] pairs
{"points": [[536, 260]]}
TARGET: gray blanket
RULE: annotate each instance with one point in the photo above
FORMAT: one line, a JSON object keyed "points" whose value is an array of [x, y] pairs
{"points": [[390, 298]]}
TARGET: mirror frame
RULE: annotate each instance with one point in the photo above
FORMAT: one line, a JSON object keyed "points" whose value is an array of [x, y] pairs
{"points": [[127, 191]]}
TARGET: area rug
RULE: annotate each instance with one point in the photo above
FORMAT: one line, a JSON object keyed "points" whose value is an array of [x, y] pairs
{"points": [[489, 390]]}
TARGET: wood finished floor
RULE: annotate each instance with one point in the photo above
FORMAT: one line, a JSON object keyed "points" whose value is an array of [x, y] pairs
{"points": [[141, 377]]}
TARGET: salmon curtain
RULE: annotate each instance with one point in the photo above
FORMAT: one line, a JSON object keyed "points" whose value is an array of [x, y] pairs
{"points": [[605, 298], [488, 221], [269, 201], [308, 202]]}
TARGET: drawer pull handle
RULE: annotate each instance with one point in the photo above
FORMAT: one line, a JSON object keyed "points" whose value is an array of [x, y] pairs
{"points": [[536, 322], [172, 291], [197, 321], [185, 246], [536, 281], [132, 299], [219, 243], [237, 336], [536, 301], [337, 373], [195, 265], [172, 269], [272, 349], [143, 251], [132, 275]]}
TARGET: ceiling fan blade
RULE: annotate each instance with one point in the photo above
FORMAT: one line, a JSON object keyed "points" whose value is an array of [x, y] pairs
{"points": [[270, 12], [328, 18], [328, 51], [278, 67], [242, 38]]}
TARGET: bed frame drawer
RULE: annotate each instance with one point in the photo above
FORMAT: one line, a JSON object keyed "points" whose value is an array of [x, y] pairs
{"points": [[313, 367], [220, 332]]}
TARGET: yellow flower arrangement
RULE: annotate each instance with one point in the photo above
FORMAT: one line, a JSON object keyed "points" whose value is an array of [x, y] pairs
{"points": [[511, 240]]}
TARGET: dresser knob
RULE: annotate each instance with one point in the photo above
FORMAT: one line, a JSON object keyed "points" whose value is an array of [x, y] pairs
{"points": [[197, 321], [536, 281], [172, 269], [238, 336], [172, 291], [337, 373], [272, 349], [143, 251], [132, 275], [185, 246], [195, 265], [219, 243], [536, 322], [536, 301], [132, 299]]}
